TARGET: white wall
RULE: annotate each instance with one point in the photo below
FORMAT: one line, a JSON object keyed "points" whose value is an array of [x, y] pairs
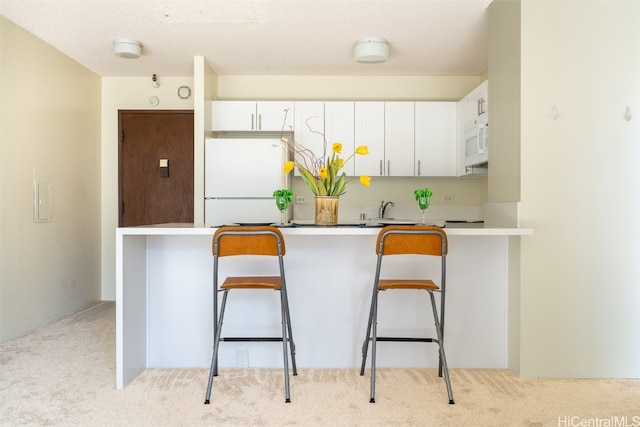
{"points": [[50, 125], [349, 88], [126, 93], [579, 290], [504, 101], [504, 173], [205, 89]]}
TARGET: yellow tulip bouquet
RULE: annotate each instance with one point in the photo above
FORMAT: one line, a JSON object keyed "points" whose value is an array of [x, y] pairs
{"points": [[323, 174]]}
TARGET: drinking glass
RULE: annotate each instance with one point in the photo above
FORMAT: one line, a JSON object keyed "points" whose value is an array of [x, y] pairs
{"points": [[423, 205], [282, 203]]}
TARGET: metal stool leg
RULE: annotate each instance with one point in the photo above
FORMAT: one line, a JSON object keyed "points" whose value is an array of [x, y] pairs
{"points": [[292, 345], [367, 338], [443, 358], [216, 344], [374, 336], [285, 350]]}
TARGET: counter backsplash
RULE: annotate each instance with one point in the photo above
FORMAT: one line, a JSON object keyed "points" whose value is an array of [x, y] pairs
{"points": [[351, 212]]}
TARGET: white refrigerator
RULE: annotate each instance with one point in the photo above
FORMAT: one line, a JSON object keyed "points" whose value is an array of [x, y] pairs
{"points": [[241, 175]]}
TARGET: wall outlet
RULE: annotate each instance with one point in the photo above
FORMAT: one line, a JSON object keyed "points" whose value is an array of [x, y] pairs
{"points": [[242, 357], [301, 200], [448, 198]]}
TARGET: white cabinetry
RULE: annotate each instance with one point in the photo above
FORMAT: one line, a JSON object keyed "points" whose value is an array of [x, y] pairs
{"points": [[251, 115], [369, 131], [436, 138], [474, 103], [404, 138], [399, 138], [387, 128], [339, 126], [309, 130]]}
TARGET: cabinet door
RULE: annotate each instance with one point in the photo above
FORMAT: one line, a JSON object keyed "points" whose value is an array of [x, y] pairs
{"points": [[473, 104], [369, 131], [436, 138], [399, 138], [234, 115], [339, 127], [481, 98], [309, 133], [271, 115]]}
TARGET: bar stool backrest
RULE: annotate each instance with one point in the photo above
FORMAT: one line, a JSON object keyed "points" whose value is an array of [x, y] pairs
{"points": [[412, 239], [239, 240]]}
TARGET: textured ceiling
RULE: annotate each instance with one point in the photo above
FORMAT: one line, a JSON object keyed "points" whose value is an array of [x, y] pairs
{"points": [[262, 37]]}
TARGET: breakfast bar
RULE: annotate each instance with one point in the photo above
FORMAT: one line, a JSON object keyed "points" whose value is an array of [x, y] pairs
{"points": [[164, 301]]}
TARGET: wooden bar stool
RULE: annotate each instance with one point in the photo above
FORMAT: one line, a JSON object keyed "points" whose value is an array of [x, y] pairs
{"points": [[254, 240], [408, 240]]}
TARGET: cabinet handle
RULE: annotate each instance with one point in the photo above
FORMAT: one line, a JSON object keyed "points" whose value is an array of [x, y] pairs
{"points": [[252, 121], [388, 167], [259, 121], [418, 167], [480, 106], [381, 168]]}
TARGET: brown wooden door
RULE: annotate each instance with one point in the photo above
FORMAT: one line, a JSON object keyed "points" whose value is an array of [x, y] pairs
{"points": [[148, 192]]}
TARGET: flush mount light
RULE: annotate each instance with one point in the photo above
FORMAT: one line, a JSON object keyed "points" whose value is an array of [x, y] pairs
{"points": [[371, 50], [127, 48]]}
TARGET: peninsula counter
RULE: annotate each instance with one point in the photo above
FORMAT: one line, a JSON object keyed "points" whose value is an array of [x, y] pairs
{"points": [[164, 300]]}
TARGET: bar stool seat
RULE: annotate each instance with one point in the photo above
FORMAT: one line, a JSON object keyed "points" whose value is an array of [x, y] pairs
{"points": [[384, 284]]}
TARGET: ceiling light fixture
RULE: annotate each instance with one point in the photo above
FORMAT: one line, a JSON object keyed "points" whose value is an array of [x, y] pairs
{"points": [[371, 50], [127, 48]]}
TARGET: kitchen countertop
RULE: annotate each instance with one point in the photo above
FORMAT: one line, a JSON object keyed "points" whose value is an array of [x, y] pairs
{"points": [[452, 229]]}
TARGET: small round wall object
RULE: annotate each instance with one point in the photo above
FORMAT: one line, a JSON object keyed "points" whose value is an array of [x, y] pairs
{"points": [[154, 101], [184, 92]]}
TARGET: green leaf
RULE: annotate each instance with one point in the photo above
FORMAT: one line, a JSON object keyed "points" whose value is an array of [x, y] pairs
{"points": [[339, 187], [309, 179], [423, 192]]}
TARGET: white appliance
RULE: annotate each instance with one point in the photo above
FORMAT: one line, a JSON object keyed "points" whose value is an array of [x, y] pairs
{"points": [[476, 142], [241, 175]]}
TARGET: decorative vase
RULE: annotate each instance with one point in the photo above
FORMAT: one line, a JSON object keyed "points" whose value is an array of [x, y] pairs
{"points": [[327, 210]]}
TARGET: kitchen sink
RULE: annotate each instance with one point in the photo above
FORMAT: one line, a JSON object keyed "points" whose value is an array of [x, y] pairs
{"points": [[340, 224], [396, 221]]}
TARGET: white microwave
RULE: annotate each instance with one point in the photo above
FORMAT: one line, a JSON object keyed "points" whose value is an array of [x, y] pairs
{"points": [[476, 141]]}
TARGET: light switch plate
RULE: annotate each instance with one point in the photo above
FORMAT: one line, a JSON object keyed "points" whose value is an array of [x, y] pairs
{"points": [[41, 200]]}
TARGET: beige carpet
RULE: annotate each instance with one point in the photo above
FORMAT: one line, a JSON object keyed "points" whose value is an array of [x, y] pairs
{"points": [[64, 375]]}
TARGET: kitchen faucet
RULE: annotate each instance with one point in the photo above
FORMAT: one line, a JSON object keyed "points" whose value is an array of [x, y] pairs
{"points": [[383, 207]]}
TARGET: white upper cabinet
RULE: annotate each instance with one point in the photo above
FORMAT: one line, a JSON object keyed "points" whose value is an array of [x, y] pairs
{"points": [[252, 115], [474, 103], [388, 129], [369, 131], [339, 126], [404, 138], [436, 138], [309, 131], [399, 138]]}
